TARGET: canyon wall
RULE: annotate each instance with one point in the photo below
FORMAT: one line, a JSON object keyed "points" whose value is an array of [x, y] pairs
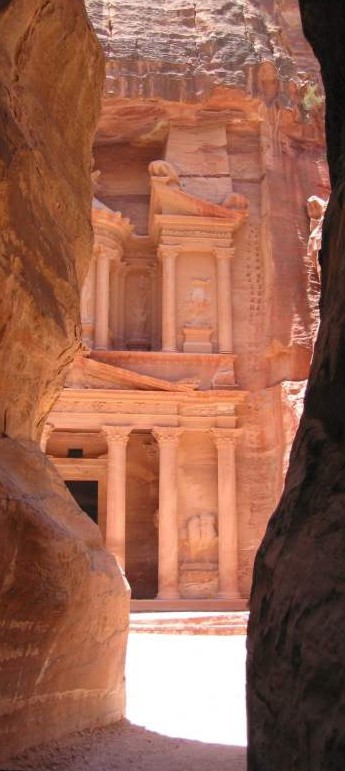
{"points": [[230, 94], [64, 603], [296, 654]]}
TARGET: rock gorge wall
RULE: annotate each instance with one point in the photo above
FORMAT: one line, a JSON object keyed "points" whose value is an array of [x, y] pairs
{"points": [[296, 632], [64, 603], [241, 70]]}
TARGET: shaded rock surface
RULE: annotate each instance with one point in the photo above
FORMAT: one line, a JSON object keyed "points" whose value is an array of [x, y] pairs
{"points": [[64, 602], [296, 689]]}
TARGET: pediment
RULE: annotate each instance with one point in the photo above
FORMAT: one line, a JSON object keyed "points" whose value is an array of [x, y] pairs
{"points": [[88, 373]]}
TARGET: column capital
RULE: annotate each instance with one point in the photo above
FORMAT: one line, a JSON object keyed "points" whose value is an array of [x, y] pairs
{"points": [[117, 435], [224, 252], [104, 252], [170, 251], [225, 437], [167, 435]]}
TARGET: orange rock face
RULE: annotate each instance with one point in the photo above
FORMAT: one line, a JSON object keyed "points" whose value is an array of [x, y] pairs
{"points": [[44, 182]]}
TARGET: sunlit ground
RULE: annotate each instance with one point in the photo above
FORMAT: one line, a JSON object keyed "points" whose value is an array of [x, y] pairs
{"points": [[188, 686]]}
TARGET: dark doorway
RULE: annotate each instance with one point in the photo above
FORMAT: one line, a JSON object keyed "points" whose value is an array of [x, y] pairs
{"points": [[86, 495], [141, 515]]}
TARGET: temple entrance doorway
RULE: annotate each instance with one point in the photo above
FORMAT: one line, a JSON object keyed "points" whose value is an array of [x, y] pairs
{"points": [[85, 492], [142, 515]]}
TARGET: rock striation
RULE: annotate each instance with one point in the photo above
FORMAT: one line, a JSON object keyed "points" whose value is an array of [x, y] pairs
{"points": [[64, 602], [44, 180], [296, 691]]}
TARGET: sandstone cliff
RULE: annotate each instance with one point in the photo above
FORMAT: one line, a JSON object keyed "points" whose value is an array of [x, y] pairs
{"points": [[64, 603], [296, 633]]}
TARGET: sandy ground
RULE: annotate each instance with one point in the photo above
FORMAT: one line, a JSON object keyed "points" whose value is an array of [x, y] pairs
{"points": [[185, 712]]}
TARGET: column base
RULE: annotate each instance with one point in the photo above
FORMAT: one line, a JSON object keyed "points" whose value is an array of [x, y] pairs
{"points": [[168, 595], [232, 595], [169, 349]]}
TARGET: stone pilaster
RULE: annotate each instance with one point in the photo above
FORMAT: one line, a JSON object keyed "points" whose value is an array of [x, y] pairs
{"points": [[224, 298], [168, 439], [168, 255], [117, 438], [102, 299], [48, 429], [225, 441]]}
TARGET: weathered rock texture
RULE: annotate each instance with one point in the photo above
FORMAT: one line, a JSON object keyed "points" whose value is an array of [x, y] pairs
{"points": [[45, 233], [64, 608], [230, 95], [296, 657], [63, 600]]}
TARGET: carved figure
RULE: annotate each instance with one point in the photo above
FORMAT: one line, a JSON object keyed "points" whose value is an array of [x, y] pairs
{"points": [[201, 532], [316, 209], [164, 170], [139, 311], [198, 302], [235, 201]]}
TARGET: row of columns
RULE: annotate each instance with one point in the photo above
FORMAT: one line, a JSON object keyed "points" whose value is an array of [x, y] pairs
{"points": [[100, 276], [168, 439], [168, 255]]}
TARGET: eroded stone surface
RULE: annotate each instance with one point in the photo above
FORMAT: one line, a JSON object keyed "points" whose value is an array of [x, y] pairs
{"points": [[64, 608], [45, 183]]}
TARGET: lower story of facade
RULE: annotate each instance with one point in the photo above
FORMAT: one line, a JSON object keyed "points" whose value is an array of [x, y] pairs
{"points": [[170, 480]]}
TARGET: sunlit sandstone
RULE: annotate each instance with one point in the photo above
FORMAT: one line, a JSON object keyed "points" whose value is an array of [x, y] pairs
{"points": [[184, 401]]}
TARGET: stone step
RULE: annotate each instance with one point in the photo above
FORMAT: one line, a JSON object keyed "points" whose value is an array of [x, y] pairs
{"points": [[221, 623]]}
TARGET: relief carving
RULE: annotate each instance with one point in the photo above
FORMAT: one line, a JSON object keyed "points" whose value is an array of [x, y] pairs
{"points": [[200, 537], [316, 209], [198, 303], [138, 312]]}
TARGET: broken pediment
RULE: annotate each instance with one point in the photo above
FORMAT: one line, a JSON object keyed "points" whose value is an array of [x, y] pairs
{"points": [[88, 373], [167, 198]]}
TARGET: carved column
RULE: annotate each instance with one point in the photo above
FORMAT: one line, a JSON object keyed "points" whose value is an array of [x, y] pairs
{"points": [[87, 305], [115, 541], [224, 296], [48, 428], [225, 440], [102, 300], [168, 439], [168, 256]]}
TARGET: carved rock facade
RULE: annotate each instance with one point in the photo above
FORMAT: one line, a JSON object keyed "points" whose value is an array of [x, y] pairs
{"points": [[200, 307]]}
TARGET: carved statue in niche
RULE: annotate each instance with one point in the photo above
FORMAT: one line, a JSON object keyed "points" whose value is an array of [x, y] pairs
{"points": [[198, 303], [201, 535], [316, 209], [138, 313], [165, 171]]}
